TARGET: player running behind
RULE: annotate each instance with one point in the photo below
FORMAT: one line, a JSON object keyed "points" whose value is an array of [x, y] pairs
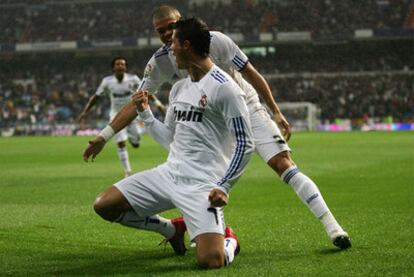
{"points": [[208, 134], [119, 87]]}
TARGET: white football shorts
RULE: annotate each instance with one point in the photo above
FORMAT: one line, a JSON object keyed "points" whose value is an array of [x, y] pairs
{"points": [[267, 137], [156, 190], [131, 131]]}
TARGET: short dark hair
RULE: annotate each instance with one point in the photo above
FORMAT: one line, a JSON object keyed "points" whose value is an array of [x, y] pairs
{"points": [[196, 32], [118, 58], [164, 11]]}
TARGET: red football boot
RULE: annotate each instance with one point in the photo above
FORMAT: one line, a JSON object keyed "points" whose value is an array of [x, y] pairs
{"points": [[177, 241], [229, 233]]}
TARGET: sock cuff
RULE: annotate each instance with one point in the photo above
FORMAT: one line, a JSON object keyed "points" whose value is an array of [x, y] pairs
{"points": [[289, 173]]}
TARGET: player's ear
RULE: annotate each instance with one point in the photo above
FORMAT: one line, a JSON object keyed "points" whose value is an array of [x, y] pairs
{"points": [[186, 44]]}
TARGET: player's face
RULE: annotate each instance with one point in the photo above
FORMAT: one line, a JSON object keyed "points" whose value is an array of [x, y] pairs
{"points": [[179, 52], [164, 27], [120, 67]]}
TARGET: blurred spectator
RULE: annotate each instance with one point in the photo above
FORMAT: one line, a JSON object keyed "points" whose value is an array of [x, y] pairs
{"points": [[352, 96]]}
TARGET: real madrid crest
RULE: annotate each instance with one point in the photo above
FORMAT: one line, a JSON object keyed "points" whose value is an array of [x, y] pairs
{"points": [[203, 101], [148, 70]]}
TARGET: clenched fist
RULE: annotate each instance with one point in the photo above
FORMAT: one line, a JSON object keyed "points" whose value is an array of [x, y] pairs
{"points": [[217, 198]]}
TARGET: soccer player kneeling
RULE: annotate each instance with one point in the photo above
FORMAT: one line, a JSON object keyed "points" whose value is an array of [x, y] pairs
{"points": [[207, 117]]}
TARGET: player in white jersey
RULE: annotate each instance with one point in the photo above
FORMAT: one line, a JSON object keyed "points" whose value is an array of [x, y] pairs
{"points": [[270, 144], [119, 87], [207, 131]]}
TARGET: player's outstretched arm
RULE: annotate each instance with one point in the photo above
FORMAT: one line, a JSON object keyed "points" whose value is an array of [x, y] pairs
{"points": [[124, 117], [91, 102], [94, 147], [121, 120], [262, 87]]}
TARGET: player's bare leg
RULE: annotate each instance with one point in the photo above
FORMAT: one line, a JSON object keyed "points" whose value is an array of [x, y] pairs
{"points": [[124, 158], [210, 250], [310, 195], [215, 250], [112, 206]]}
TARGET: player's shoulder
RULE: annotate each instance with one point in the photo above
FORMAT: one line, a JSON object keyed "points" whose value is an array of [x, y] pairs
{"points": [[161, 52], [222, 47], [218, 77], [217, 34], [108, 78], [221, 82], [219, 38], [132, 77], [215, 80], [160, 60]]}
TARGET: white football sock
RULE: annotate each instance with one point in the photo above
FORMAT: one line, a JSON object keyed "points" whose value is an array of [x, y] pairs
{"points": [[154, 223], [123, 157], [331, 225], [230, 245], [306, 189], [309, 193]]}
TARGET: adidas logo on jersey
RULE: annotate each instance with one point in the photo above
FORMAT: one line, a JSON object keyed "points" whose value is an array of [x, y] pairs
{"points": [[194, 114]]}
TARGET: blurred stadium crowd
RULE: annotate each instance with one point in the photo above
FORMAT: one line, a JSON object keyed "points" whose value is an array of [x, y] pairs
{"points": [[31, 21], [346, 80]]}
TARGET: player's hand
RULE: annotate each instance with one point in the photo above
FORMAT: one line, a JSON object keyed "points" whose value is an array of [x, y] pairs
{"points": [[284, 125], [94, 147], [217, 198], [140, 99]]}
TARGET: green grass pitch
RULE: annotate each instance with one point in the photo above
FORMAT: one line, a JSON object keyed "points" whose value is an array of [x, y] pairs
{"points": [[48, 227]]}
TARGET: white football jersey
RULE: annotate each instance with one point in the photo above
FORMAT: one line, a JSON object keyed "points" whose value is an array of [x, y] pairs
{"points": [[206, 129], [224, 52], [120, 92]]}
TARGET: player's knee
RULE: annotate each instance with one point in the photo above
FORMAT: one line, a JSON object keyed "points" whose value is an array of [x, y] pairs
{"points": [[99, 206], [103, 209], [211, 259], [281, 162]]}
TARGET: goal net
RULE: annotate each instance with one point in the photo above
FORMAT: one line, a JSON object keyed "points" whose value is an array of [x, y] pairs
{"points": [[302, 116]]}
